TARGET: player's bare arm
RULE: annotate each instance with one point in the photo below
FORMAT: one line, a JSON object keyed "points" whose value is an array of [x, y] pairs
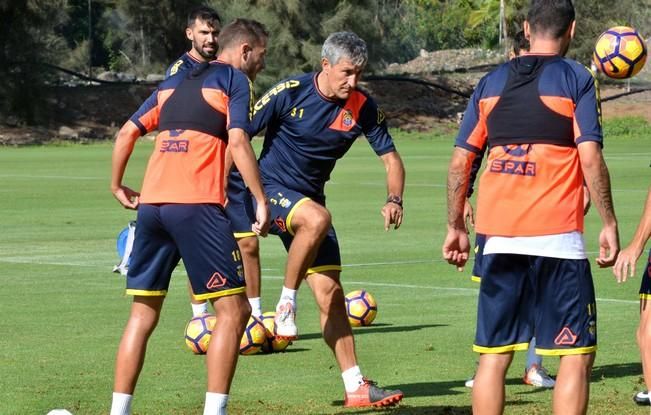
{"points": [[456, 245], [392, 209], [122, 150], [244, 158], [598, 180], [625, 264]]}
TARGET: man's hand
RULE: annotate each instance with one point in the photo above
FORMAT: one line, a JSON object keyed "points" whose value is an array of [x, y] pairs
{"points": [[392, 213], [468, 214], [625, 264], [262, 218], [608, 246], [127, 197], [456, 247]]}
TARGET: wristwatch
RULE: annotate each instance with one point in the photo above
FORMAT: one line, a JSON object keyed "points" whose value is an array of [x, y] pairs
{"points": [[394, 199]]}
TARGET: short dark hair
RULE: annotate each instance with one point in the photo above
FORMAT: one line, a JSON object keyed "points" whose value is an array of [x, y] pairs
{"points": [[205, 14], [550, 17], [520, 43], [242, 30]]}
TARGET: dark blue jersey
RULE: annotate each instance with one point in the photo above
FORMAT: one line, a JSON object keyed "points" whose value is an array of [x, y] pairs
{"points": [[184, 62], [307, 133]]}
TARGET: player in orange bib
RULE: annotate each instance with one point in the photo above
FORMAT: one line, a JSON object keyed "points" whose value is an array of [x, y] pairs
{"points": [[538, 115]]}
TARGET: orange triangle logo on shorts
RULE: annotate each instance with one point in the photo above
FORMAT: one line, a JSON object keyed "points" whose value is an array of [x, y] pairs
{"points": [[565, 337], [216, 281]]}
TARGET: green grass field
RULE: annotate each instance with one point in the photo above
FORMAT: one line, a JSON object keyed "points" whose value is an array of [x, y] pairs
{"points": [[62, 310]]}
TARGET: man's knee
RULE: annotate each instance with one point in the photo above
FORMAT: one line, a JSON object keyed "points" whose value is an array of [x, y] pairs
{"points": [[249, 246], [312, 218]]}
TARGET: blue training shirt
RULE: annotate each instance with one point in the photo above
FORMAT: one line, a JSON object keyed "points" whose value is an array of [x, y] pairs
{"points": [[307, 133]]}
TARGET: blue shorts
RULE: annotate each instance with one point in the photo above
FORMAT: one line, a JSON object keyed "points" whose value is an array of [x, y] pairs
{"points": [[645, 286], [283, 203], [240, 208], [198, 233], [480, 241], [523, 296]]}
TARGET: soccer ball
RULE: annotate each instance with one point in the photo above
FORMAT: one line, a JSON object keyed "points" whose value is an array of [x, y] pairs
{"points": [[620, 52], [361, 308], [272, 344], [255, 335], [198, 332]]}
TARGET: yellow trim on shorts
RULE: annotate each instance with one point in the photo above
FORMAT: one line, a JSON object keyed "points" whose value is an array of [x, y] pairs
{"points": [[288, 222], [645, 296], [475, 278], [147, 293], [500, 349], [218, 294], [322, 268], [241, 235], [566, 352]]}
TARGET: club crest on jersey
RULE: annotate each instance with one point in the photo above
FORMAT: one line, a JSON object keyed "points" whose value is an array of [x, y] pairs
{"points": [[174, 146], [347, 119]]}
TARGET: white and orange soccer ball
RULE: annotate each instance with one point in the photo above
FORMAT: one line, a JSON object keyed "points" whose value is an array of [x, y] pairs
{"points": [[620, 52], [273, 344], [198, 332], [254, 337], [361, 308]]}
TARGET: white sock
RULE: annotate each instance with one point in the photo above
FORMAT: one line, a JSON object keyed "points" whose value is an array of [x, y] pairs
{"points": [[256, 307], [121, 404], [199, 309], [215, 404], [352, 378], [288, 295]]}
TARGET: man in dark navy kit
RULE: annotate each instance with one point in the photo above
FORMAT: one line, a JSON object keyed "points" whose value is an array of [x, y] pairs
{"points": [[198, 113], [539, 117], [202, 30], [311, 121]]}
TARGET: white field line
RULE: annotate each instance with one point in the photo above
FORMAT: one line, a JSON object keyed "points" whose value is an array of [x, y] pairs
{"points": [[468, 291], [36, 176]]}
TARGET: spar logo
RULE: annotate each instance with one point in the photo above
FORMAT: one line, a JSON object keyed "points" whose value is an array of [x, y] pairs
{"points": [[511, 166]]}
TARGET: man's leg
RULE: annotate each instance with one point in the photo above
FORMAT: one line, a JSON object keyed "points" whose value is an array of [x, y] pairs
{"points": [[133, 346], [233, 313], [572, 388], [338, 335], [310, 223], [644, 340], [488, 389], [199, 307], [250, 250]]}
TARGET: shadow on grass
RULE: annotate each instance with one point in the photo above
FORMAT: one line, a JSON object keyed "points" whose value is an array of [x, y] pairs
{"points": [[616, 370], [376, 328]]}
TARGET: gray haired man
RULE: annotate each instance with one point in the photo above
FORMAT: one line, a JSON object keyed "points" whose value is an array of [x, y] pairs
{"points": [[311, 121]]}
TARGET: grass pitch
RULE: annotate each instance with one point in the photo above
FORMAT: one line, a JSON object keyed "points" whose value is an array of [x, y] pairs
{"points": [[63, 310]]}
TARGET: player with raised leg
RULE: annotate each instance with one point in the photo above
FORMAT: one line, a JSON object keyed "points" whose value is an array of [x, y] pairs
{"points": [[311, 121]]}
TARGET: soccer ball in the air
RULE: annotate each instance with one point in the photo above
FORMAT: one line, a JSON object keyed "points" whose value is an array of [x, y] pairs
{"points": [[361, 308], [198, 332], [620, 52], [254, 336], [272, 344]]}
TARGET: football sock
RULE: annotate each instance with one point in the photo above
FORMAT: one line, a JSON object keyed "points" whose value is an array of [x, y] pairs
{"points": [[256, 308], [288, 295], [532, 357], [215, 404], [121, 404], [352, 378], [199, 309]]}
